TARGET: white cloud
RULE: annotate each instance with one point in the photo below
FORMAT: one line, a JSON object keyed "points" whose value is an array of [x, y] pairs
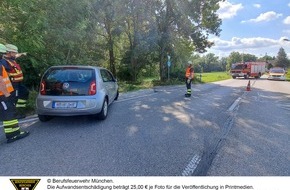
{"points": [[282, 39], [257, 46], [241, 43], [288, 4], [286, 20], [228, 10], [265, 17], [257, 5]]}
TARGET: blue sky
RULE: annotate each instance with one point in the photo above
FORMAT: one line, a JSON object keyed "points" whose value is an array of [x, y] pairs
{"points": [[253, 26]]}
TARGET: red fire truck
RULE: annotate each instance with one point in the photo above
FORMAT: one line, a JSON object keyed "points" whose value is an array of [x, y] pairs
{"points": [[248, 69]]}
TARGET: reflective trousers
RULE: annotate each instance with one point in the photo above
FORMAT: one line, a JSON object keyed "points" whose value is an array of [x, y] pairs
{"points": [[20, 95], [188, 85], [7, 116]]}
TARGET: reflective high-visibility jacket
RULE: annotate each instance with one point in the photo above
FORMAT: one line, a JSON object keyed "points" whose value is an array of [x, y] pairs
{"points": [[15, 73], [189, 72], [7, 82]]}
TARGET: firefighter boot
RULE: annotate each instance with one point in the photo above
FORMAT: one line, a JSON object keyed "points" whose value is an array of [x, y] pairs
{"points": [[188, 93], [21, 135]]}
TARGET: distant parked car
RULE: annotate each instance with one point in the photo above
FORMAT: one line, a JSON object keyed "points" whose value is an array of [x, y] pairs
{"points": [[277, 73], [76, 90]]}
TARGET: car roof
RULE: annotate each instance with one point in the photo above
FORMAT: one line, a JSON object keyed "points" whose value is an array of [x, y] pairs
{"points": [[277, 68]]}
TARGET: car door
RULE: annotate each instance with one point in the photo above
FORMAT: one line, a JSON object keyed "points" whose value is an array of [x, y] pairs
{"points": [[109, 83]]}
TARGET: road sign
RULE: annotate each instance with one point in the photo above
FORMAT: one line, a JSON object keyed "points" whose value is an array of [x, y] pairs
{"points": [[168, 63]]}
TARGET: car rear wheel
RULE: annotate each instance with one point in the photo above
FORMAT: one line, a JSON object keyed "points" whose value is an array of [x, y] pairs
{"points": [[103, 114], [44, 118]]}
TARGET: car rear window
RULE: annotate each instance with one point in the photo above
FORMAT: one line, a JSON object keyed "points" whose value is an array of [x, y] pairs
{"points": [[68, 81]]}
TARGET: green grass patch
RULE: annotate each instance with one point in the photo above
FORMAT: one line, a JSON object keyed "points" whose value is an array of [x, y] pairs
{"points": [[288, 75], [133, 86], [151, 82], [212, 76], [146, 84]]}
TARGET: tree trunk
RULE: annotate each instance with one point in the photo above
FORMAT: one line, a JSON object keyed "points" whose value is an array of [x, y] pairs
{"points": [[108, 28], [162, 67], [112, 57], [165, 40]]}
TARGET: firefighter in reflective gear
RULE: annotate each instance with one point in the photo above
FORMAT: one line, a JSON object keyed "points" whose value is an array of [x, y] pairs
{"points": [[14, 70], [7, 108], [189, 74]]}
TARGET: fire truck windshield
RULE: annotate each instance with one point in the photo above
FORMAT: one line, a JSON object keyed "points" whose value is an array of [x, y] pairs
{"points": [[238, 66]]}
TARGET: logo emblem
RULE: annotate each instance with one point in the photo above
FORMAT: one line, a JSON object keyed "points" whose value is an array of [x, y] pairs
{"points": [[24, 184], [65, 85]]}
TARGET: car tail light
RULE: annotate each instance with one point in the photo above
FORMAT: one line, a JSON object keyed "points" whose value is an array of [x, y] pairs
{"points": [[93, 88], [42, 88]]}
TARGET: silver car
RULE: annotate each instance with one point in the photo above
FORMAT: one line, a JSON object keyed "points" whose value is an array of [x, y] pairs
{"points": [[277, 73], [76, 90]]}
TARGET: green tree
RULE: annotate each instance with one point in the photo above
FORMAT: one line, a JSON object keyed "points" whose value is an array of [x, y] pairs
{"points": [[128, 36], [281, 59], [236, 57], [268, 59], [249, 57], [67, 35], [107, 19], [23, 26], [210, 62], [223, 63], [141, 33], [192, 20]]}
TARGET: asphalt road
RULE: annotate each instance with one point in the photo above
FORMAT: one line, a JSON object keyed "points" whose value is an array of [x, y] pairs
{"points": [[258, 144], [221, 130]]}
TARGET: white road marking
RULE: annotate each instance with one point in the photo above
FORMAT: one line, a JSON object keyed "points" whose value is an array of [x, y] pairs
{"points": [[190, 168], [235, 104]]}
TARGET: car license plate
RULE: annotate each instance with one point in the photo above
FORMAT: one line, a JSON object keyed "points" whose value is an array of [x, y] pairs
{"points": [[64, 105]]}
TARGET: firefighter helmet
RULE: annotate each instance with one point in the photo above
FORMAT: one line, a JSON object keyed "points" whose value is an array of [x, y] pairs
{"points": [[11, 48]]}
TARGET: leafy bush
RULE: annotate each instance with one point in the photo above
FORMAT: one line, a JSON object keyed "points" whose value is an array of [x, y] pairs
{"points": [[30, 106]]}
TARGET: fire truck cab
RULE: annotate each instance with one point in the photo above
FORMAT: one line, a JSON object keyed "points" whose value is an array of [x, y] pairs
{"points": [[248, 69]]}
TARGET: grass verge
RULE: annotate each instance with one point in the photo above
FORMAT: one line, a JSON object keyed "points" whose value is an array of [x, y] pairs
{"points": [[213, 76], [288, 75]]}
